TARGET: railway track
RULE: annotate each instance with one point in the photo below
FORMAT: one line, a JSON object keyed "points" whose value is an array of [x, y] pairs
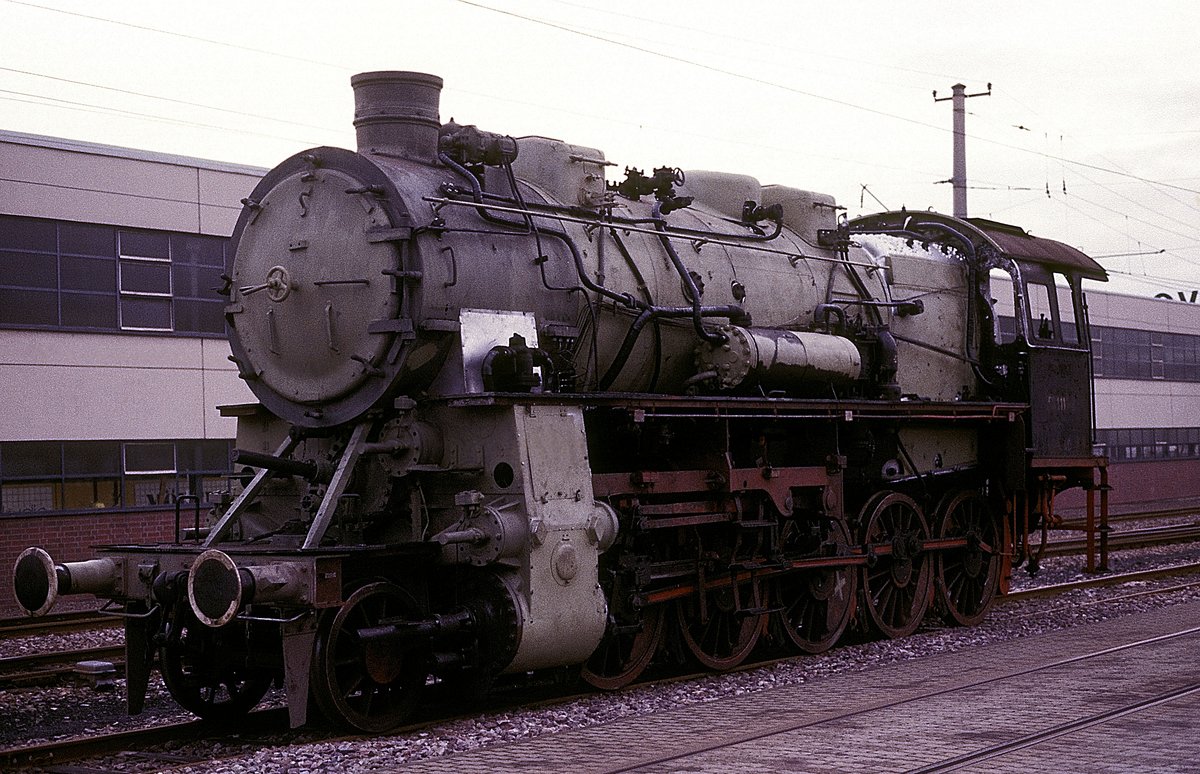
{"points": [[48, 666], [1154, 513], [679, 753], [44, 668], [1157, 573], [1134, 538], [62, 623], [272, 723], [137, 740]]}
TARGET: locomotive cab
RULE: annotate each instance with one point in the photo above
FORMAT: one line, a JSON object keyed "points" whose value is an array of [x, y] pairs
{"points": [[1044, 346], [1032, 346], [1050, 352]]}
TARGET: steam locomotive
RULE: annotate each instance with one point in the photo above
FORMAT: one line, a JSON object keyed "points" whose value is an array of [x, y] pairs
{"points": [[514, 416]]}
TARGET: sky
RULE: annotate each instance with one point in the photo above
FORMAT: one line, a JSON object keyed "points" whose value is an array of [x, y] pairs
{"points": [[1090, 135]]}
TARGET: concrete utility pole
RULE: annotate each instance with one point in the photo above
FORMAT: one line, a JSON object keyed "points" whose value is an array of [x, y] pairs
{"points": [[959, 96]]}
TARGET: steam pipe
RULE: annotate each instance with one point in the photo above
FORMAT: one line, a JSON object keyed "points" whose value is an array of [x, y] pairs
{"points": [[618, 220], [653, 312], [825, 311], [714, 238], [288, 467], [622, 298], [648, 312], [660, 226]]}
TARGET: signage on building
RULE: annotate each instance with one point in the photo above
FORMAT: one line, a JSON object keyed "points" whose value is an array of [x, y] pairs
{"points": [[1183, 296]]}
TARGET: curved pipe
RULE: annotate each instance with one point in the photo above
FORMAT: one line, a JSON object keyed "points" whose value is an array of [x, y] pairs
{"points": [[695, 379], [648, 312], [660, 225], [974, 264], [618, 362], [617, 220], [698, 232], [889, 363], [654, 312], [825, 311], [621, 298]]}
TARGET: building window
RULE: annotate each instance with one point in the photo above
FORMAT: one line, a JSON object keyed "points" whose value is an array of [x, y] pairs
{"points": [[58, 274], [95, 475], [1150, 443], [144, 276], [150, 473], [197, 264], [1126, 353]]}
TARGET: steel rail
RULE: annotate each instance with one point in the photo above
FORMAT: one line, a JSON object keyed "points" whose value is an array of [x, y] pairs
{"points": [[273, 720], [1056, 589], [60, 623], [75, 748], [1046, 734], [1156, 513], [1150, 536], [41, 668]]}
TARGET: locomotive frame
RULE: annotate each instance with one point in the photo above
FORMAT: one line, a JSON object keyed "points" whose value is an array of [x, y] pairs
{"points": [[443, 484]]}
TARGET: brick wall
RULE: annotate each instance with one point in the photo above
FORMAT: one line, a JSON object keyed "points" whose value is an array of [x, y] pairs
{"points": [[1137, 485], [69, 538]]}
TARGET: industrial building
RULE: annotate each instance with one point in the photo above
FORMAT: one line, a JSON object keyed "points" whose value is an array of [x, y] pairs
{"points": [[112, 349]]}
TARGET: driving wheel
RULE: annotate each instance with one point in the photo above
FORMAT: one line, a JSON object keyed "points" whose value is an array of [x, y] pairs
{"points": [[898, 577], [368, 685], [967, 577]]}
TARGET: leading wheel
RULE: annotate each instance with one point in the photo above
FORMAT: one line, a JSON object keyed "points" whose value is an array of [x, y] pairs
{"points": [[816, 605], [204, 674], [897, 581], [372, 686], [967, 577], [623, 655], [717, 632]]}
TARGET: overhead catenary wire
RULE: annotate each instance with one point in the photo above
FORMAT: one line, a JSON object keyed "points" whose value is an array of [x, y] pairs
{"points": [[834, 100], [183, 35], [791, 150], [790, 49], [1154, 184], [802, 92], [172, 100], [1105, 223], [85, 107]]}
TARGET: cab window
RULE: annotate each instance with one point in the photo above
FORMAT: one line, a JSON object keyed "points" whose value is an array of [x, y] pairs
{"points": [[1041, 312], [1066, 310], [1003, 307]]}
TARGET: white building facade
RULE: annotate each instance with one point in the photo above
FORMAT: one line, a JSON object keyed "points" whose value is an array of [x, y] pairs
{"points": [[112, 349]]}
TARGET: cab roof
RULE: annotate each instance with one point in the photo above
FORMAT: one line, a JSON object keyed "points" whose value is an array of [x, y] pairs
{"points": [[1010, 240]]}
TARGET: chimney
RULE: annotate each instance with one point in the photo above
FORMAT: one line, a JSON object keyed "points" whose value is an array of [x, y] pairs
{"points": [[397, 112]]}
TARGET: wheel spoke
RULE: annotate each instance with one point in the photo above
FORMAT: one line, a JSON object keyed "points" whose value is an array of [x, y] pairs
{"points": [[343, 669], [815, 605], [726, 638], [897, 586], [969, 576], [202, 673]]}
